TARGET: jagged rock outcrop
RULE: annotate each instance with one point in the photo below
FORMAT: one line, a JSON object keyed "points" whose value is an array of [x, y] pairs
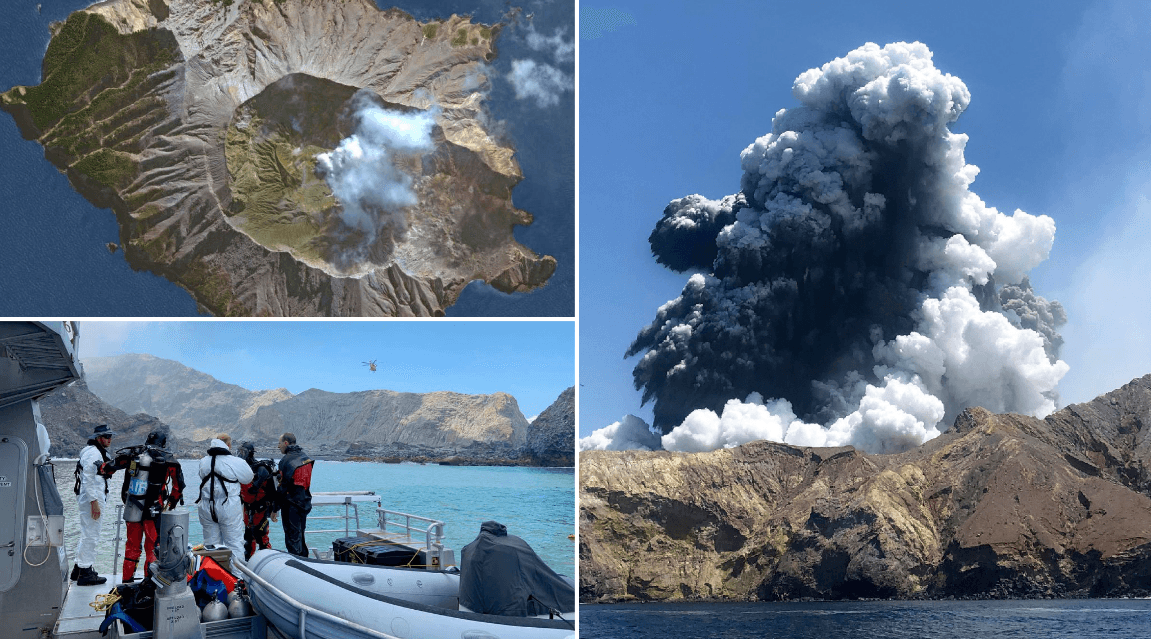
{"points": [[72, 412], [998, 506], [551, 436], [159, 110]]}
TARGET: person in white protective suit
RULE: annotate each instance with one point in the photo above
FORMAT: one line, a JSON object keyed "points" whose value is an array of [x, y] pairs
{"points": [[221, 508], [91, 497]]}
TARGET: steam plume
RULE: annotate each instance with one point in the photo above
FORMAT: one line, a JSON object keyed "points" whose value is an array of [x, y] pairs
{"points": [[629, 433], [361, 170], [854, 280]]}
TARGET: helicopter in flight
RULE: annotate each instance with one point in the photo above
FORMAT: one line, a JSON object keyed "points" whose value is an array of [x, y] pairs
{"points": [[371, 365]]}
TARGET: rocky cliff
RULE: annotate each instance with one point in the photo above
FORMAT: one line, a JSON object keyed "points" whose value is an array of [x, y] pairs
{"points": [[367, 424], [379, 418], [72, 412], [551, 435], [998, 506], [200, 124], [196, 403]]}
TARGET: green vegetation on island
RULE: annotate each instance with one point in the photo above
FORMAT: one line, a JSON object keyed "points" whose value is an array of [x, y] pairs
{"points": [[96, 102], [271, 147]]}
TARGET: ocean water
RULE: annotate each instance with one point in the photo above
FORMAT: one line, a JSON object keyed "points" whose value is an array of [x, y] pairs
{"points": [[1046, 619], [536, 504], [53, 255]]}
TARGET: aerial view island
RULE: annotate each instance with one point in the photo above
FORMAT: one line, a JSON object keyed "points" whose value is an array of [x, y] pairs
{"points": [[287, 157]]}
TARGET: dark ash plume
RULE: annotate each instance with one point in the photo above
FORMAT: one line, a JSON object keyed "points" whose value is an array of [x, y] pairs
{"points": [[855, 279]]}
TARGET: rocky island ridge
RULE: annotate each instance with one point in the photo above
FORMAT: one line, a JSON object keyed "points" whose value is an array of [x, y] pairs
{"points": [[999, 506]]}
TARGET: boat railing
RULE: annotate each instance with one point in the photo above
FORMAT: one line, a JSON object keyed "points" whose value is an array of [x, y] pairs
{"points": [[351, 515], [431, 530], [117, 542], [305, 609]]}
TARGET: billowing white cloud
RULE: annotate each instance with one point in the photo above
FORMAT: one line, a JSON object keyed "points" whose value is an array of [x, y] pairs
{"points": [[630, 433]]}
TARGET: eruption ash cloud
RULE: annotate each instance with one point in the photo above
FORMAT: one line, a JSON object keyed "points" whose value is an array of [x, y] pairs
{"points": [[361, 172], [854, 280]]}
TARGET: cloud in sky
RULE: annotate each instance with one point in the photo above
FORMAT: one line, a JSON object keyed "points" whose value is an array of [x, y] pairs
{"points": [[558, 44], [540, 82], [855, 290]]}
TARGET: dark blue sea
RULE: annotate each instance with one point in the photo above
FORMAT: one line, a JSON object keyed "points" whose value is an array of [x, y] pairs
{"points": [[53, 255], [1043, 619]]}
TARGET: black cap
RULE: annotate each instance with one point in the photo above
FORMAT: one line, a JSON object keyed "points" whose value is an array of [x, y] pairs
{"points": [[102, 431]]}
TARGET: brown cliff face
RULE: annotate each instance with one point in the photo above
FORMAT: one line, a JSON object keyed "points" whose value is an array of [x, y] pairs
{"points": [[998, 506]]}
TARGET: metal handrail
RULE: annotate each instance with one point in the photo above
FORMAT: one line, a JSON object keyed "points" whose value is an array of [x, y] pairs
{"points": [[432, 540], [347, 517], [305, 609], [117, 540]]}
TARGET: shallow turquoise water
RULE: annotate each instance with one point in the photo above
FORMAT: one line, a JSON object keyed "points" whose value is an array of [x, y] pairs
{"points": [[536, 504]]}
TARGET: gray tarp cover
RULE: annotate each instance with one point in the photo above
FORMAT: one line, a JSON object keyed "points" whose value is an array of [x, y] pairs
{"points": [[498, 572]]}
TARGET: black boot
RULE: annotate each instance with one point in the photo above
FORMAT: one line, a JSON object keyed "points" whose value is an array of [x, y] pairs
{"points": [[88, 577], [75, 573]]}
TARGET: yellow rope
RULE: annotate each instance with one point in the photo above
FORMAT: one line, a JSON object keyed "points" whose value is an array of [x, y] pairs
{"points": [[104, 602]]}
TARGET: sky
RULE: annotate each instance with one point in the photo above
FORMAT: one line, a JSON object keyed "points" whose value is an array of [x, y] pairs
{"points": [[671, 93], [532, 361]]}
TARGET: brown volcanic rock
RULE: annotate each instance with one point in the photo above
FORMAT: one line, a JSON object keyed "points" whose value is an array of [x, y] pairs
{"points": [[998, 506]]}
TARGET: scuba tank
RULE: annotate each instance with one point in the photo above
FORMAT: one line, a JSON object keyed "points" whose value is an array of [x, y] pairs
{"points": [[137, 486]]}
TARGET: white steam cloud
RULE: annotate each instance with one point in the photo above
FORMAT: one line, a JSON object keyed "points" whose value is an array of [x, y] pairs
{"points": [[361, 171], [540, 82], [629, 433], [855, 279]]}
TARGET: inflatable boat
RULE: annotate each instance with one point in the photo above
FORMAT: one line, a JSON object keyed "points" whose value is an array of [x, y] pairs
{"points": [[377, 601]]}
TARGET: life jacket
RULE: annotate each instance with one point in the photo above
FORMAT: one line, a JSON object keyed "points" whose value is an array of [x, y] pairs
{"points": [[296, 479], [215, 476]]}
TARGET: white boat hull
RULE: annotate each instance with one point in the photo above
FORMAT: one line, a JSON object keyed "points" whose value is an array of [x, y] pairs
{"points": [[396, 607]]}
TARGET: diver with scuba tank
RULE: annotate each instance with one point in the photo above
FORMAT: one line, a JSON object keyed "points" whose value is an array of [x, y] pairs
{"points": [[153, 483], [259, 499]]}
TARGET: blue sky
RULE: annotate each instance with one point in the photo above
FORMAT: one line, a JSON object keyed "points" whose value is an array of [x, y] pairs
{"points": [[1058, 124], [532, 361]]}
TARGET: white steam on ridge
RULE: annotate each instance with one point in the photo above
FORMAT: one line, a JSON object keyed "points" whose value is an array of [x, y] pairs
{"points": [[360, 171], [855, 273]]}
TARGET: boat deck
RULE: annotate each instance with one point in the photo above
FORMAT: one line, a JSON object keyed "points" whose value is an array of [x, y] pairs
{"points": [[79, 620]]}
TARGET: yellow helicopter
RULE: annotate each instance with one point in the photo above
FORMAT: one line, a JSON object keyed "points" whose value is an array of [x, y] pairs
{"points": [[371, 365]]}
